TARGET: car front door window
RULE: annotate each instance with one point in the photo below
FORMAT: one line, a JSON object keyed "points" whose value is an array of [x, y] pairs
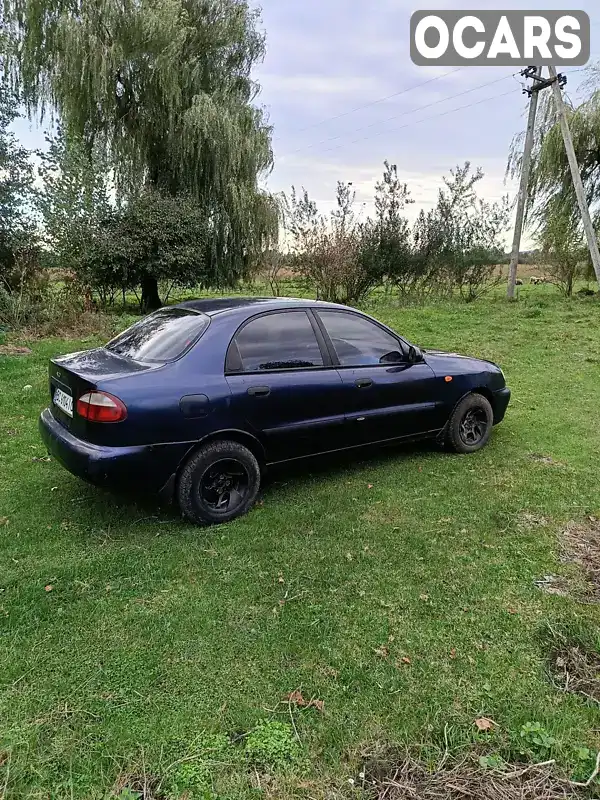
{"points": [[358, 342]]}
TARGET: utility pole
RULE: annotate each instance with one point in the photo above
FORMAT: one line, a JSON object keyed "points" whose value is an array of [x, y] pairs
{"points": [[588, 227], [535, 73]]}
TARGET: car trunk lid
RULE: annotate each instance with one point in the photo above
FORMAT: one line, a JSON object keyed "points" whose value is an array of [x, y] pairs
{"points": [[73, 375]]}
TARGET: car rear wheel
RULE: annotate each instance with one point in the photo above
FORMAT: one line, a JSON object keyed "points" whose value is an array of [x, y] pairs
{"points": [[219, 482], [470, 425]]}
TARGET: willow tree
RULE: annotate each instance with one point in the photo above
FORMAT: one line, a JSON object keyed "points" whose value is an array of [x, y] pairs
{"points": [[165, 88], [553, 204]]}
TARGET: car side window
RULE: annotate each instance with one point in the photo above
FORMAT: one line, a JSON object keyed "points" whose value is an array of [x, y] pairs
{"points": [[359, 342], [285, 340]]}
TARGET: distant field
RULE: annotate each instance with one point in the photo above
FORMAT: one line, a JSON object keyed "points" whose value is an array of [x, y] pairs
{"points": [[398, 590]]}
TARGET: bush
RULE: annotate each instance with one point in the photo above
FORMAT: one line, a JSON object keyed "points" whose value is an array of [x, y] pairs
{"points": [[338, 255], [455, 248], [563, 250]]}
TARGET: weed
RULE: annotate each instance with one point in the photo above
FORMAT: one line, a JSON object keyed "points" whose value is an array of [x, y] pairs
{"points": [[271, 745], [536, 739]]}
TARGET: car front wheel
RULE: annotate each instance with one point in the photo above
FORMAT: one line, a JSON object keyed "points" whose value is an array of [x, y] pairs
{"points": [[470, 425], [218, 483]]}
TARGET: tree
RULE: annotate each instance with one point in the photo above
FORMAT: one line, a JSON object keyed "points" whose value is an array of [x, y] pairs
{"points": [[563, 250], [75, 198], [18, 232], [164, 89], [393, 247], [338, 255], [553, 209], [155, 236], [466, 233]]}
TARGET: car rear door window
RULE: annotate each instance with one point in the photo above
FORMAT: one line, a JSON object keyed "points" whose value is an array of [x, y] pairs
{"points": [[285, 340], [359, 342], [162, 336]]}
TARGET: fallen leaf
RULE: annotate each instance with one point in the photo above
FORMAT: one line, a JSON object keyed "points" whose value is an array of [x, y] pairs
{"points": [[512, 611], [484, 724], [295, 698], [48, 588], [3, 520], [281, 579], [406, 660], [382, 652], [318, 704], [424, 597], [453, 653], [369, 486]]}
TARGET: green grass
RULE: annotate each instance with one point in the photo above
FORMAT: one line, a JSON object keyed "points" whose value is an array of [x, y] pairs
{"points": [[156, 635]]}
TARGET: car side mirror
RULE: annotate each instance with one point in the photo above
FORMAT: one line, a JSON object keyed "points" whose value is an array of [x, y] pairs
{"points": [[415, 356], [395, 357]]}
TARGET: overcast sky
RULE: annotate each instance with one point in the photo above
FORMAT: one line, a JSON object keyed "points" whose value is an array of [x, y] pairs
{"points": [[326, 58]]}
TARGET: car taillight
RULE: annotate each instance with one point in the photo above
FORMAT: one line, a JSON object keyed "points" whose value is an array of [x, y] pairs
{"points": [[101, 407]]}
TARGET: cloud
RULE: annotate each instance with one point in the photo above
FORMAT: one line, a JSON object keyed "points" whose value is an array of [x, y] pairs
{"points": [[309, 85]]}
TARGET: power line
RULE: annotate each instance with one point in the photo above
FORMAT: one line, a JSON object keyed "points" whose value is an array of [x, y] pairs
{"points": [[379, 100], [405, 113], [426, 119]]}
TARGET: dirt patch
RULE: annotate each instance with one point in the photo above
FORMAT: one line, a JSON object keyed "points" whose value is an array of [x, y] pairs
{"points": [[527, 521], [13, 350], [577, 670], [467, 779], [539, 458], [554, 584], [581, 544]]}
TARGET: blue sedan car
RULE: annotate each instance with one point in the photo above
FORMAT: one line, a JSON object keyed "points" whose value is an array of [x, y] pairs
{"points": [[195, 401]]}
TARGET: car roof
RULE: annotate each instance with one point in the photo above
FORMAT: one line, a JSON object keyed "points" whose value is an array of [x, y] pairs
{"points": [[221, 305]]}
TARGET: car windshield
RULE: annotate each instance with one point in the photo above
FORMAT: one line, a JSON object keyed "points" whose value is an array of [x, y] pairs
{"points": [[162, 336]]}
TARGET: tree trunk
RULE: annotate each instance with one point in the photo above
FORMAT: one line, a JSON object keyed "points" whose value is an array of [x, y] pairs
{"points": [[150, 298]]}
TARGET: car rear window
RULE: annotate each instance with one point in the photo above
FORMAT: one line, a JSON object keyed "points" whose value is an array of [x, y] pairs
{"points": [[162, 336]]}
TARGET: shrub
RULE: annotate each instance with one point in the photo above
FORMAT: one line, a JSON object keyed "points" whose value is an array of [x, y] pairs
{"points": [[563, 250]]}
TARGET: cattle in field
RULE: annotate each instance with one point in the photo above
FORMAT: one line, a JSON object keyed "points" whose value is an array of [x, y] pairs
{"points": [[519, 282], [537, 281]]}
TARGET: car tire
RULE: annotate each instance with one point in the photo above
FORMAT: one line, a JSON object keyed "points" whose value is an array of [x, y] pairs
{"points": [[218, 483], [471, 423]]}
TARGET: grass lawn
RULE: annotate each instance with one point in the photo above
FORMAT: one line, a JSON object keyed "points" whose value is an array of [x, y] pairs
{"points": [[398, 589]]}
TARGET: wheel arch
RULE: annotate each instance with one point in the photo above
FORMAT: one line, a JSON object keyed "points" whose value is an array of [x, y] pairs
{"points": [[482, 390], [167, 493], [231, 435]]}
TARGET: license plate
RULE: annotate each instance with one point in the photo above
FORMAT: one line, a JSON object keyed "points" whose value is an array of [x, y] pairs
{"points": [[63, 401]]}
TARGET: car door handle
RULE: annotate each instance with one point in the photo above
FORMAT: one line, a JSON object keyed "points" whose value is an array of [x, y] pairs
{"points": [[364, 383], [259, 391]]}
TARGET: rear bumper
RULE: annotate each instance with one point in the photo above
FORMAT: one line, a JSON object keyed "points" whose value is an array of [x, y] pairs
{"points": [[500, 404], [146, 468]]}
